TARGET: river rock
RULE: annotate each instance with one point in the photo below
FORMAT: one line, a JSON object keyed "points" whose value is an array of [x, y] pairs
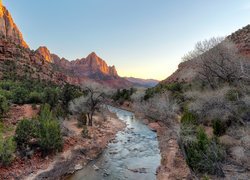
{"points": [[78, 167], [154, 126]]}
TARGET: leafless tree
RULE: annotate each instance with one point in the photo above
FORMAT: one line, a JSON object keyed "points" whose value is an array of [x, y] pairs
{"points": [[95, 95], [221, 64], [160, 107], [202, 47]]}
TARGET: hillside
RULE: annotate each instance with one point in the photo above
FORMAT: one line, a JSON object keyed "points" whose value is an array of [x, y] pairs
{"points": [[142, 82], [188, 70], [17, 59]]}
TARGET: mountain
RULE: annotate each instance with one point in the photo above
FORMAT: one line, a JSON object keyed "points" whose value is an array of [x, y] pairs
{"points": [[143, 82], [188, 70], [8, 29], [18, 60]]}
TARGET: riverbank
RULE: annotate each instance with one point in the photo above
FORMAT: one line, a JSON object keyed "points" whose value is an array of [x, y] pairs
{"points": [[173, 165], [77, 151]]}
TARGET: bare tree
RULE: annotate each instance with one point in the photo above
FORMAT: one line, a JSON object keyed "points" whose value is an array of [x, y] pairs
{"points": [[221, 64], [202, 47], [95, 95], [160, 107]]}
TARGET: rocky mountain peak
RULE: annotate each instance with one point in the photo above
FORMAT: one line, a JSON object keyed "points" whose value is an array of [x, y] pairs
{"points": [[8, 29], [45, 53]]}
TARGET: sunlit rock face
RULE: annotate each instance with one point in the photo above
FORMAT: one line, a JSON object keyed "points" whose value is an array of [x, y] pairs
{"points": [[8, 28], [45, 53]]}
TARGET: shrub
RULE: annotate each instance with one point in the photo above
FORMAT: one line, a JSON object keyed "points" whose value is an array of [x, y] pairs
{"points": [[20, 95], [51, 96], [7, 149], [233, 95], [50, 138], [25, 131], [219, 128], [82, 120], [189, 118], [85, 132], [204, 155], [3, 105], [35, 98]]}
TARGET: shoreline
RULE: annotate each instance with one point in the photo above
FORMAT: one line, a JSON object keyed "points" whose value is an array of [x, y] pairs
{"points": [[77, 151]]}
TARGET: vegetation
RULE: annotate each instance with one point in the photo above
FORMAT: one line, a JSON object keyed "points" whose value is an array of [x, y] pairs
{"points": [[123, 95], [7, 149]]}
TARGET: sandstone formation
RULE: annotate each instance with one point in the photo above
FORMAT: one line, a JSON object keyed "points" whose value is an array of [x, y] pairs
{"points": [[16, 59], [8, 29]]}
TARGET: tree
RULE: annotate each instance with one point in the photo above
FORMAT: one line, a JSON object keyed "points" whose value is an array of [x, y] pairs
{"points": [[91, 102], [202, 47]]}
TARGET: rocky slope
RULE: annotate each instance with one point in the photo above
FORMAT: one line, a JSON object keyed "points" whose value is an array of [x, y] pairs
{"points": [[142, 82], [187, 71], [16, 59]]}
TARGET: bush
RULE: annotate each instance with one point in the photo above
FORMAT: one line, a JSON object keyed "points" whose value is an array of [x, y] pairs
{"points": [[82, 120], [20, 95], [219, 128], [3, 105], [51, 96], [7, 149], [35, 98], [205, 155], [233, 95], [50, 138], [189, 118], [26, 130]]}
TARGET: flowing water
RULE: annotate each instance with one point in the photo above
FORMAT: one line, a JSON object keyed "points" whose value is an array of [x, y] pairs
{"points": [[133, 155]]}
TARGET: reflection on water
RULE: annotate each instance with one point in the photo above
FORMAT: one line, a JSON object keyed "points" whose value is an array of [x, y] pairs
{"points": [[134, 154]]}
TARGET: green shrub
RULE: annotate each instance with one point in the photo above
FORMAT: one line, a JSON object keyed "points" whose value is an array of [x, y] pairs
{"points": [[85, 132], [25, 131], [205, 155], [35, 98], [58, 111], [20, 95], [82, 120], [51, 96], [7, 149], [189, 118], [219, 128], [3, 105], [50, 137]]}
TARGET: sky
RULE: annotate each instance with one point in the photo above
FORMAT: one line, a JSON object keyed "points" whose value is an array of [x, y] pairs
{"points": [[142, 38]]}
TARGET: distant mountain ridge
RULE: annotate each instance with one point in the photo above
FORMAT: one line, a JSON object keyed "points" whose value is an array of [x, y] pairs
{"points": [[17, 57], [143, 82]]}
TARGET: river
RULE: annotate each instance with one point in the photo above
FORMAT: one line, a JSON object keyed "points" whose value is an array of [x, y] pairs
{"points": [[132, 155]]}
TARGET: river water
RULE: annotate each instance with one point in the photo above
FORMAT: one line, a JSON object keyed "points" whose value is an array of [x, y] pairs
{"points": [[133, 155]]}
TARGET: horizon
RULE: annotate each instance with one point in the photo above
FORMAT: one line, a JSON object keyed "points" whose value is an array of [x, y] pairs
{"points": [[139, 44]]}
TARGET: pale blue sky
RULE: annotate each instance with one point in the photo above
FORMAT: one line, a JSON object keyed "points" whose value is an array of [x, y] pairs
{"points": [[142, 38]]}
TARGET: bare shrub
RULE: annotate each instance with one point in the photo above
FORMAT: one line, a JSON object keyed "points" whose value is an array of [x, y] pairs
{"points": [[160, 107]]}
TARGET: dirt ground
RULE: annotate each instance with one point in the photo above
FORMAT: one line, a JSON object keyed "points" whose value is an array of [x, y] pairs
{"points": [[77, 151], [173, 164]]}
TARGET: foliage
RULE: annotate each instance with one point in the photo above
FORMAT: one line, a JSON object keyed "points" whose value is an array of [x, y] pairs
{"points": [[82, 120], [123, 95], [35, 98], [50, 137], [219, 127], [3, 105], [85, 132], [20, 95], [7, 149], [51, 96], [25, 131], [204, 155], [189, 117]]}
